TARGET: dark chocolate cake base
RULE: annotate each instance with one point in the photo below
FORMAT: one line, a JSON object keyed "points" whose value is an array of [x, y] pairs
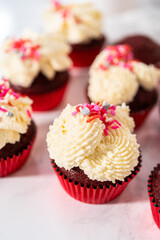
{"points": [[42, 85], [94, 43], [14, 149], [143, 100], [144, 48], [155, 185], [78, 176]]}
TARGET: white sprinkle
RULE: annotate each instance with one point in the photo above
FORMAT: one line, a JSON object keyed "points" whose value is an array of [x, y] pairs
{"points": [[10, 114], [85, 111]]}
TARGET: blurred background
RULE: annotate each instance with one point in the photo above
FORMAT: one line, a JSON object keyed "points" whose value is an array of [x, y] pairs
{"points": [[121, 17]]}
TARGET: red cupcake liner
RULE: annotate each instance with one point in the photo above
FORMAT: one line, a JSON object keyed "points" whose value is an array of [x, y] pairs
{"points": [[140, 117], [12, 164], [49, 100], [90, 194], [83, 57], [154, 207]]}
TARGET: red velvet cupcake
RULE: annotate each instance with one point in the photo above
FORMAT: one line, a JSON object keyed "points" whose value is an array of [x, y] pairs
{"points": [[117, 77], [154, 194], [144, 48], [80, 24], [37, 66], [17, 129], [93, 151]]}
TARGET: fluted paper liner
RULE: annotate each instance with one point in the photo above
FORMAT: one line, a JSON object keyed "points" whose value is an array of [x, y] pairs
{"points": [[154, 207], [90, 194], [139, 117], [12, 164], [49, 100], [84, 57]]}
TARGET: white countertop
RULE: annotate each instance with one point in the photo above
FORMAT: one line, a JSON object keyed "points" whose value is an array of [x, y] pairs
{"points": [[33, 205]]}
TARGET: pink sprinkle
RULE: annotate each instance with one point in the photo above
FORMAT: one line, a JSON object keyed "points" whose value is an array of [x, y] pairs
{"points": [[115, 127], [15, 95], [102, 67], [3, 110], [5, 80], [113, 107], [29, 113], [96, 108], [113, 112], [85, 105], [117, 122], [4, 93], [105, 132], [36, 56], [109, 58], [55, 3], [74, 113]]}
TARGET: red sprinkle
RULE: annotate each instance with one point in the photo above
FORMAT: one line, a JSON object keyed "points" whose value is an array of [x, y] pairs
{"points": [[92, 118], [78, 108], [29, 113]]}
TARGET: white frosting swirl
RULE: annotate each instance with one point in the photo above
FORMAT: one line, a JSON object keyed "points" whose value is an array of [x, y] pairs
{"points": [[77, 22], [80, 138], [52, 57], [15, 115], [73, 142], [114, 158], [115, 85]]}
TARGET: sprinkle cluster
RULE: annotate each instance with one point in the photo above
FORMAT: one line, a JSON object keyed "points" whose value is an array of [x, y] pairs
{"points": [[119, 55], [5, 92], [26, 49], [65, 11], [97, 110]]}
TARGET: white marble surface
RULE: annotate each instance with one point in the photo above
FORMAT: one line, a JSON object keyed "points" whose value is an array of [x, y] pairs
{"points": [[33, 206]]}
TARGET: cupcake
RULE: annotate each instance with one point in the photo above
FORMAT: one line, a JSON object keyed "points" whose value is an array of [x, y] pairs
{"points": [[80, 24], [17, 129], [144, 48], [37, 66], [117, 77], [154, 194], [93, 151]]}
